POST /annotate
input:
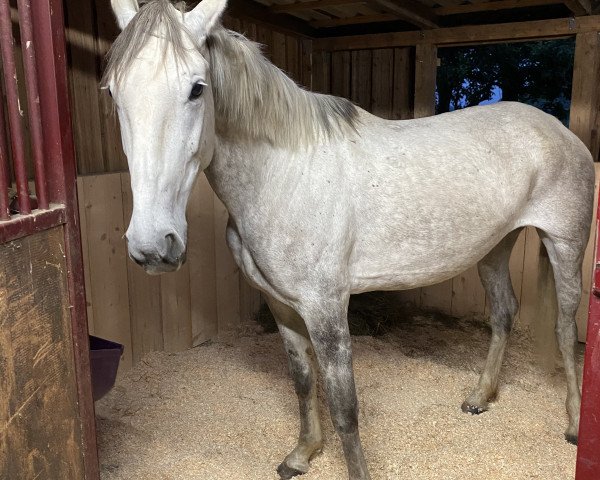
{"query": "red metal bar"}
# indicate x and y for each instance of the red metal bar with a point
(4, 180)
(33, 104)
(49, 36)
(22, 225)
(588, 450)
(14, 114)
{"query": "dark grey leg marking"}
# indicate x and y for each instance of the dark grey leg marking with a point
(302, 369)
(495, 277)
(328, 328)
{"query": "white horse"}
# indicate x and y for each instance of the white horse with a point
(326, 200)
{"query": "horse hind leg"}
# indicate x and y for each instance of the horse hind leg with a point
(566, 259)
(495, 277)
(304, 373)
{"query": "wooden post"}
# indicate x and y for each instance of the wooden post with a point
(425, 76)
(584, 97)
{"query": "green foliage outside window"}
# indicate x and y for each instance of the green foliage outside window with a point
(536, 73)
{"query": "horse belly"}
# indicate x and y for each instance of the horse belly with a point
(412, 233)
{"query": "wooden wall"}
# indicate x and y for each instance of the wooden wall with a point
(380, 80)
(206, 299)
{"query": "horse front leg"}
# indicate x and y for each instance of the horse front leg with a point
(328, 329)
(302, 369)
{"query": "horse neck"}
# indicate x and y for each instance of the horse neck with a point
(242, 170)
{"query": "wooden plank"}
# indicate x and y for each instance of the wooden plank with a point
(108, 268)
(382, 82)
(402, 94)
(112, 151)
(232, 23)
(262, 15)
(306, 63)
(264, 36)
(587, 269)
(361, 78)
(410, 11)
(85, 254)
(584, 116)
(341, 74)
(227, 278)
(249, 301)
(310, 5)
(492, 6)
(355, 20)
(292, 58)
(529, 290)
(278, 50)
(145, 314)
(516, 265)
(425, 80)
(412, 296)
(322, 72)
(83, 83)
(468, 295)
(40, 434)
(579, 7)
(176, 309)
(249, 29)
(437, 297)
(202, 263)
(471, 34)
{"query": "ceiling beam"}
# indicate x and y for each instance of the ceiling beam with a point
(410, 11)
(300, 6)
(263, 15)
(357, 19)
(467, 35)
(579, 7)
(492, 6)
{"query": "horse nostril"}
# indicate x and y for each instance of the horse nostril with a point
(170, 237)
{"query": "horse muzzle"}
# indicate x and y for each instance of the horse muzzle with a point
(165, 256)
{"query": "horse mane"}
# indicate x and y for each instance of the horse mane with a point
(253, 98)
(256, 99)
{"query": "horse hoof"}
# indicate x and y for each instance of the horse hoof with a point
(572, 439)
(472, 409)
(285, 472)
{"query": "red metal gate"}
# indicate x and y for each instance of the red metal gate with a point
(588, 451)
(51, 159)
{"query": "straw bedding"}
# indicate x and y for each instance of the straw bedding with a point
(228, 410)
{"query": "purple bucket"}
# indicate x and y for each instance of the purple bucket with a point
(104, 362)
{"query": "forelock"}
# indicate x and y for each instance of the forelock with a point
(155, 19)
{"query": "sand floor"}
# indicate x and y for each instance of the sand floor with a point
(228, 411)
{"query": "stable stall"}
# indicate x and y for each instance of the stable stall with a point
(381, 54)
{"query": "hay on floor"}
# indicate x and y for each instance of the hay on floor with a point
(228, 411)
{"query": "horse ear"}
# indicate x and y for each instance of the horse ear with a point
(205, 16)
(124, 10)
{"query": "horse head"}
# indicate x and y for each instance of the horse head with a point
(158, 75)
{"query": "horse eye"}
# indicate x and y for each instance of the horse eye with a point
(197, 90)
(110, 93)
